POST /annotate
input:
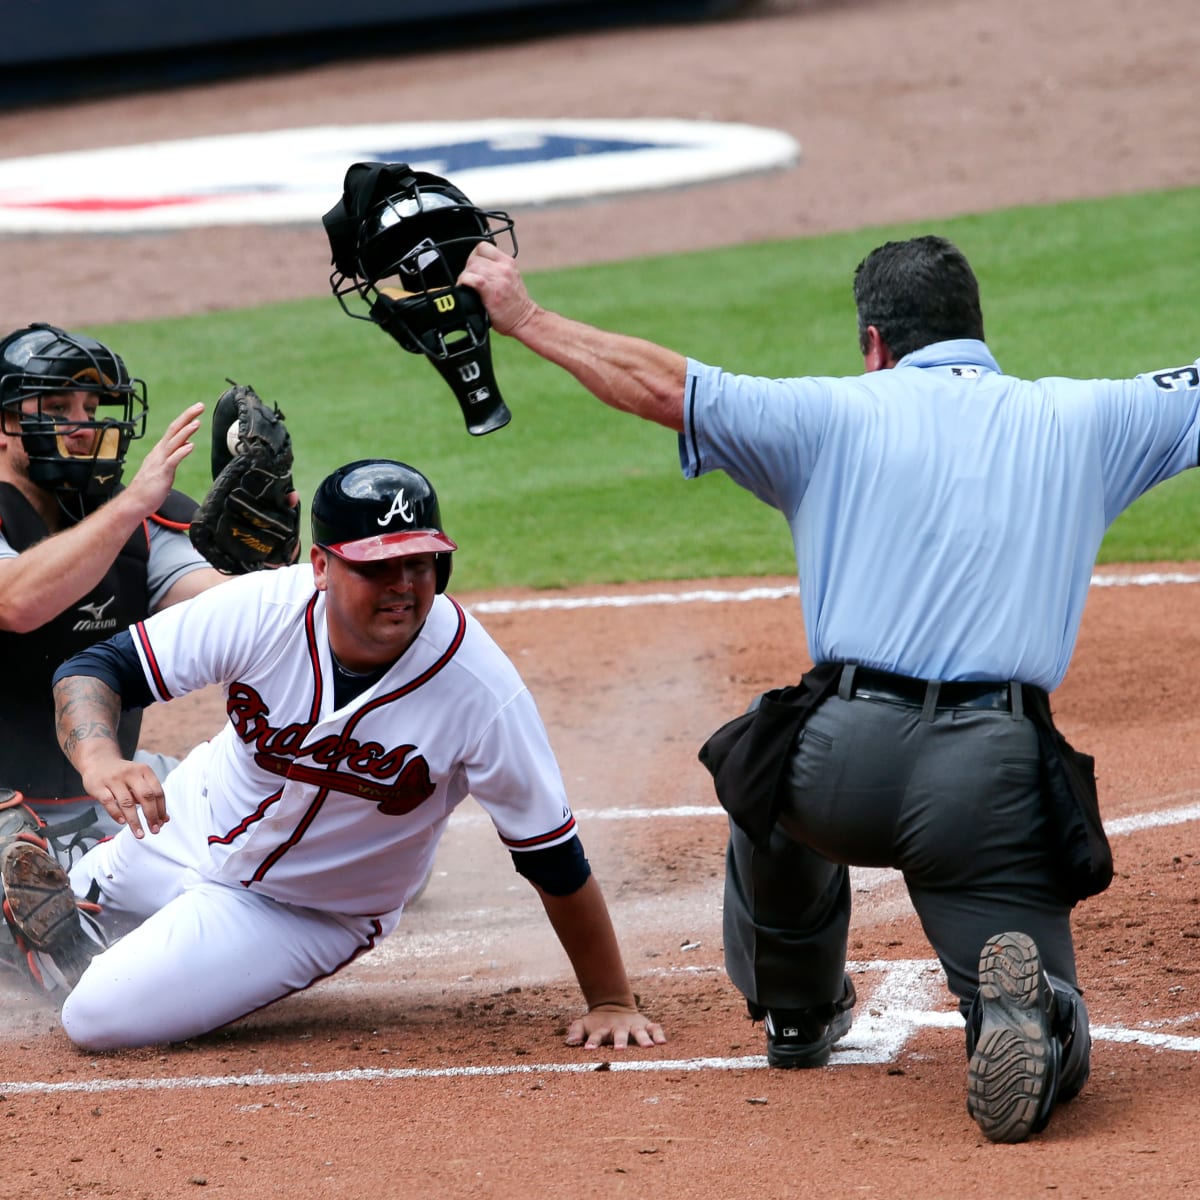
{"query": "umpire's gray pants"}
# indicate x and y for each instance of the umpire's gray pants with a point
(951, 798)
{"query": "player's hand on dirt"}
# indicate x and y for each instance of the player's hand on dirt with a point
(156, 476)
(493, 274)
(124, 787)
(615, 1025)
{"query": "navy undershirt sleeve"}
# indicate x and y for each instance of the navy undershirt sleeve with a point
(114, 662)
(559, 870)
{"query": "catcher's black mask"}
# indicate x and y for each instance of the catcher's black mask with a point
(41, 362)
(399, 240)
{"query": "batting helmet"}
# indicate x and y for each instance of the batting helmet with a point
(42, 360)
(377, 509)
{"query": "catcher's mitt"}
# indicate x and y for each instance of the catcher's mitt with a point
(47, 936)
(245, 522)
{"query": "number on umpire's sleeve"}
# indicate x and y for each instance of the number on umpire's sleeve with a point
(1178, 378)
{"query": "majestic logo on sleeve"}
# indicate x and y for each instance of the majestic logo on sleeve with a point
(396, 779)
(399, 506)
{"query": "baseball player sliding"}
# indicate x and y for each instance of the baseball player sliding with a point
(364, 704)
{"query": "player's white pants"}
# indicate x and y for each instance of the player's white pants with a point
(197, 953)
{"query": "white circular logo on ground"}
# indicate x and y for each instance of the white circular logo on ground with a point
(293, 176)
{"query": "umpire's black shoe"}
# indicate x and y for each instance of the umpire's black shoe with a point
(804, 1037)
(1013, 1074)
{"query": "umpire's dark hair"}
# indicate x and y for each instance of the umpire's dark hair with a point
(915, 293)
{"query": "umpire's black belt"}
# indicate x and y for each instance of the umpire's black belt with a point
(865, 683)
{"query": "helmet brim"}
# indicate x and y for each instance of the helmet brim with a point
(400, 544)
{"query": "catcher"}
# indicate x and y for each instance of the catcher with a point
(82, 555)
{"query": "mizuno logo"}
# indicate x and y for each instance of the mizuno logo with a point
(95, 619)
(96, 611)
(399, 506)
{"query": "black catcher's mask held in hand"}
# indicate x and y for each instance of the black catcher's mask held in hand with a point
(41, 366)
(399, 239)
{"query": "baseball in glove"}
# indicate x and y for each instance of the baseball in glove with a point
(45, 934)
(246, 522)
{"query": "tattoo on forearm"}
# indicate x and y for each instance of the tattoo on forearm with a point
(71, 738)
(85, 709)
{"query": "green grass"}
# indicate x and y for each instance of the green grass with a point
(573, 492)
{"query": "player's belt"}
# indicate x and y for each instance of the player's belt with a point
(868, 684)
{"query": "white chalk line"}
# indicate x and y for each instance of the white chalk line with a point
(884, 1022)
(1152, 820)
(1118, 827)
(1150, 579)
(743, 595)
(706, 596)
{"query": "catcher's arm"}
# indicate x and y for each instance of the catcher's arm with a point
(250, 518)
(46, 579)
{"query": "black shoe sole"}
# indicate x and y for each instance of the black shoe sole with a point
(1013, 1065)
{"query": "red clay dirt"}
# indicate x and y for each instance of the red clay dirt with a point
(908, 109)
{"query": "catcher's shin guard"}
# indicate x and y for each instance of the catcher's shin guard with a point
(50, 936)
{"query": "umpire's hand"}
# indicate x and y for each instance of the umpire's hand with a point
(493, 274)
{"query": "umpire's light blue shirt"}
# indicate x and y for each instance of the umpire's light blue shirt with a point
(946, 517)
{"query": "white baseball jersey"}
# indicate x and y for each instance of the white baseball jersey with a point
(341, 809)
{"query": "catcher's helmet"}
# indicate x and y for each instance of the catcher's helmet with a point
(376, 509)
(42, 361)
(400, 238)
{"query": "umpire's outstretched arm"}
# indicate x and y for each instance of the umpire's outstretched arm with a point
(627, 373)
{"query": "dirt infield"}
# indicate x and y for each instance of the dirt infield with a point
(435, 1066)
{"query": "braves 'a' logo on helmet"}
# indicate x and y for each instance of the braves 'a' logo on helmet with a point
(400, 507)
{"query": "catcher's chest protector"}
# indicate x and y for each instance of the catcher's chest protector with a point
(30, 758)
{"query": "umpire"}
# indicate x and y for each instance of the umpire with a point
(945, 519)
